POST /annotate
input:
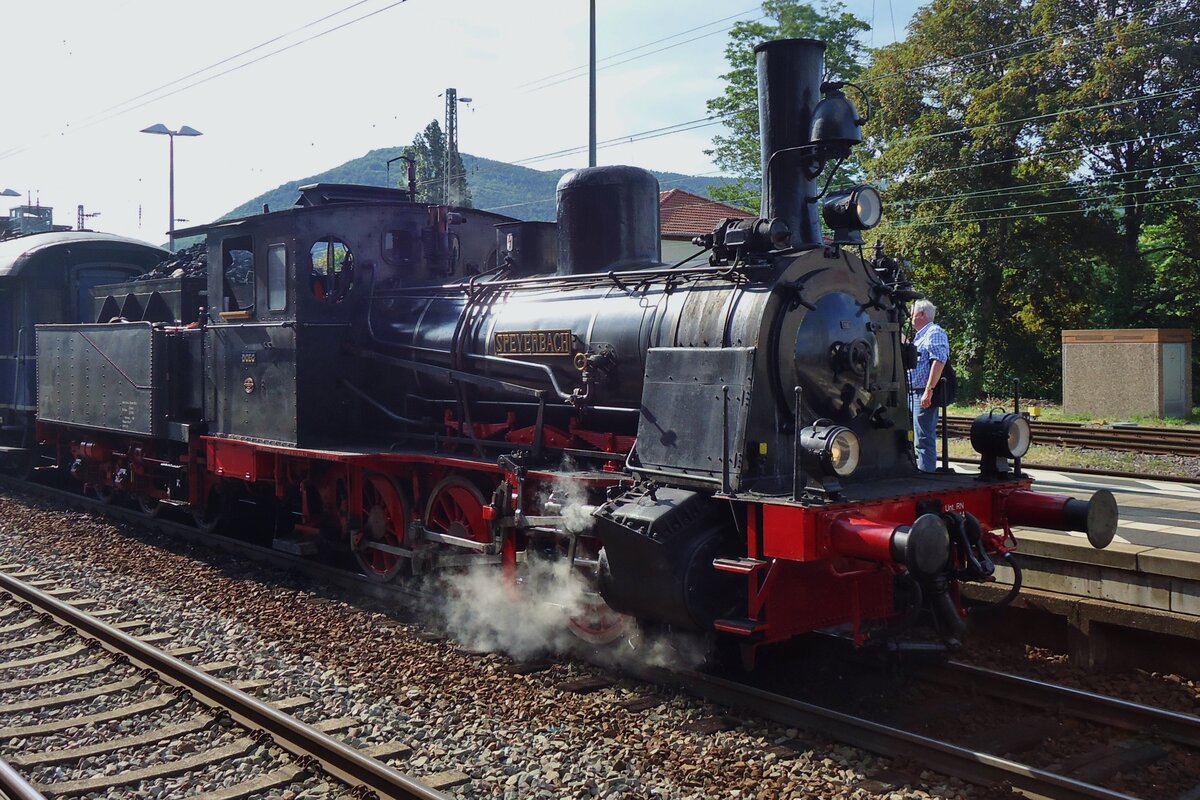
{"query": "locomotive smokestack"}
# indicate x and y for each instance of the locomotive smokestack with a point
(789, 88)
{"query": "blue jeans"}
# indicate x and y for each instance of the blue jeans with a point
(925, 431)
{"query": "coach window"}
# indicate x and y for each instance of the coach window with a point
(332, 269)
(237, 260)
(7, 321)
(277, 277)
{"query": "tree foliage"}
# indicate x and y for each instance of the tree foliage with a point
(429, 148)
(954, 161)
(1016, 153)
(1118, 84)
(737, 153)
(1038, 162)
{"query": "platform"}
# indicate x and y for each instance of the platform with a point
(1146, 582)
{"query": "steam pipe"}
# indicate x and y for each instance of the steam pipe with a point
(1097, 516)
(789, 88)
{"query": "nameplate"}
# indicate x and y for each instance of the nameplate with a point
(514, 344)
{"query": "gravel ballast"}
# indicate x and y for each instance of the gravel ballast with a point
(513, 735)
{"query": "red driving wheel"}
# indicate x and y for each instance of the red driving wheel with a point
(456, 508)
(385, 515)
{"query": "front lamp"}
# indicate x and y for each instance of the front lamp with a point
(1001, 435)
(831, 449)
(851, 211)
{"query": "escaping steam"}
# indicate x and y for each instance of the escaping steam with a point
(531, 616)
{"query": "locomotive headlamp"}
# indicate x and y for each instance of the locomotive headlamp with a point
(831, 449)
(852, 210)
(1001, 435)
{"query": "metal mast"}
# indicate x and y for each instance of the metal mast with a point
(451, 141)
(592, 88)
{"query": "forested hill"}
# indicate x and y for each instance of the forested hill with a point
(506, 189)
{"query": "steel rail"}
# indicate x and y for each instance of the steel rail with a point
(15, 787)
(1150, 440)
(1112, 711)
(979, 768)
(303, 741)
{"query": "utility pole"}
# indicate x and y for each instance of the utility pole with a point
(592, 91)
(84, 217)
(451, 141)
(452, 101)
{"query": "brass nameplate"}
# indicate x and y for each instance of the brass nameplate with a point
(512, 344)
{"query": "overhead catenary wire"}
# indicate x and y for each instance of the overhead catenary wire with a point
(1003, 217)
(1063, 184)
(582, 69)
(95, 120)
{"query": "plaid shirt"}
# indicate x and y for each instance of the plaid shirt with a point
(932, 345)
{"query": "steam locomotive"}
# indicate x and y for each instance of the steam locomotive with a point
(723, 447)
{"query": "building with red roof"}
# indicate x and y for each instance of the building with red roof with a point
(684, 215)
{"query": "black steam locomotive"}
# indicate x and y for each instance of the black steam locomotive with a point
(722, 446)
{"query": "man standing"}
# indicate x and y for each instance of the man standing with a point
(933, 351)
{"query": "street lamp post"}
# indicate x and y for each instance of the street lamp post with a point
(184, 130)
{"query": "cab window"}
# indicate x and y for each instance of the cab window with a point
(332, 275)
(237, 264)
(400, 247)
(277, 277)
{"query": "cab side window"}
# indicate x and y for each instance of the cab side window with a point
(237, 264)
(332, 275)
(277, 277)
(400, 247)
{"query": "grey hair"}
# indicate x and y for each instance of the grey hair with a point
(929, 308)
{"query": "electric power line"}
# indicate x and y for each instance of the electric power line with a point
(1064, 184)
(95, 121)
(963, 219)
(584, 67)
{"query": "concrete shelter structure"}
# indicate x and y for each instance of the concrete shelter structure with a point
(1126, 373)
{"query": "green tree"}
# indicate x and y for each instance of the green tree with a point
(737, 153)
(956, 153)
(429, 148)
(1118, 86)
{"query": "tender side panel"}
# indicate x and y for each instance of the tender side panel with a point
(101, 376)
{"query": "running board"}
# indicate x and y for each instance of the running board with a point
(740, 566)
(745, 628)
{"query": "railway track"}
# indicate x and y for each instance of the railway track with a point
(969, 760)
(59, 664)
(1119, 741)
(1136, 439)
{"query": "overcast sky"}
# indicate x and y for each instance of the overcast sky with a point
(334, 79)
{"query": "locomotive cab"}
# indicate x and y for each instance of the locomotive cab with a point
(288, 292)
